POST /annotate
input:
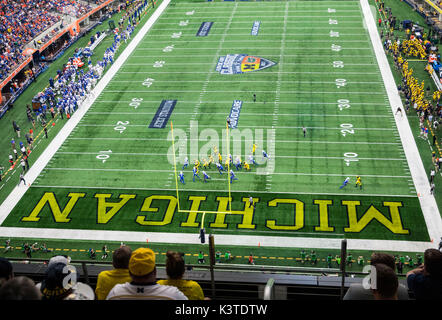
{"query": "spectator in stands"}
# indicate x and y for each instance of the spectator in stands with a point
(19, 288)
(175, 271)
(356, 291)
(6, 270)
(60, 282)
(120, 274)
(143, 286)
(426, 281)
(386, 283)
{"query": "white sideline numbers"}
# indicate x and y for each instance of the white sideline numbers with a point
(349, 157)
(341, 83)
(338, 64)
(104, 155)
(148, 82)
(136, 102)
(121, 126)
(159, 64)
(168, 48)
(347, 129)
(336, 47)
(343, 104)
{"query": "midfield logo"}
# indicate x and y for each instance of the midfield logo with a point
(242, 63)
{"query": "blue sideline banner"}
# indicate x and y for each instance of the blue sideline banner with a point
(204, 29)
(164, 111)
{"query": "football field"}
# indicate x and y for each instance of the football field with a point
(273, 68)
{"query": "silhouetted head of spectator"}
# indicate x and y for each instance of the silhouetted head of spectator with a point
(174, 265)
(6, 271)
(60, 282)
(384, 258)
(386, 283)
(433, 263)
(142, 266)
(121, 257)
(19, 288)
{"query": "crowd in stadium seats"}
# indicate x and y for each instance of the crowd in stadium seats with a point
(134, 276)
(71, 7)
(21, 21)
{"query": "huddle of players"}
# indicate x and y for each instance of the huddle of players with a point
(238, 164)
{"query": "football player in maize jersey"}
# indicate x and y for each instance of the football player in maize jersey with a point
(211, 160)
(227, 163)
(253, 148)
(205, 163)
(246, 166)
(358, 182)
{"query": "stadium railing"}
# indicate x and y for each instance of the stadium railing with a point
(239, 282)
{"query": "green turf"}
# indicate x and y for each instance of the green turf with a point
(300, 90)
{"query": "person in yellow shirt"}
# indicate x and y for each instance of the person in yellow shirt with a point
(120, 274)
(175, 267)
(220, 158)
(246, 166)
(205, 163)
(253, 148)
(358, 182)
(211, 160)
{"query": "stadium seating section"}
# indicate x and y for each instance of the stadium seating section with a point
(21, 21)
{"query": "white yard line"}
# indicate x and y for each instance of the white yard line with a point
(252, 81)
(14, 197)
(427, 201)
(136, 114)
(196, 155)
(239, 172)
(245, 140)
(257, 102)
(241, 91)
(220, 126)
(240, 191)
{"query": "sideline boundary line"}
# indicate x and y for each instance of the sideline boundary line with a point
(427, 201)
(18, 192)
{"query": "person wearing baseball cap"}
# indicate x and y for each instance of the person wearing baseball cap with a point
(144, 284)
(60, 282)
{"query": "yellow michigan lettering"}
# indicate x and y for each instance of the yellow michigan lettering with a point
(323, 215)
(147, 208)
(247, 214)
(59, 216)
(103, 214)
(191, 218)
(355, 225)
(298, 212)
